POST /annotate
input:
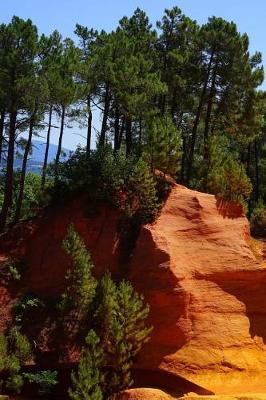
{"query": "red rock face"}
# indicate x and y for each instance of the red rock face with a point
(206, 290)
(207, 294)
(40, 244)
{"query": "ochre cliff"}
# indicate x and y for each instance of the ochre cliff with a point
(194, 265)
(207, 294)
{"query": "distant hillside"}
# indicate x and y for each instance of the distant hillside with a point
(35, 161)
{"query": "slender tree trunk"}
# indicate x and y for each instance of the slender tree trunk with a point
(163, 104)
(24, 170)
(128, 136)
(248, 173)
(173, 109)
(89, 129)
(257, 178)
(220, 109)
(122, 128)
(117, 129)
(162, 97)
(183, 160)
(180, 120)
(59, 148)
(2, 126)
(197, 119)
(45, 162)
(206, 155)
(105, 115)
(8, 193)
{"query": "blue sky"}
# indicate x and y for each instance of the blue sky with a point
(250, 16)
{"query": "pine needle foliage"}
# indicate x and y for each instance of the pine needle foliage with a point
(116, 316)
(81, 284)
(87, 382)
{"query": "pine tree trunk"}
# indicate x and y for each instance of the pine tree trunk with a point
(117, 130)
(2, 126)
(219, 109)
(173, 109)
(248, 173)
(89, 129)
(206, 152)
(122, 128)
(24, 170)
(128, 136)
(197, 120)
(8, 193)
(59, 148)
(163, 104)
(45, 162)
(105, 115)
(257, 179)
(183, 161)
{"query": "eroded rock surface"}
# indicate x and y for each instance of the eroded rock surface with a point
(143, 394)
(207, 294)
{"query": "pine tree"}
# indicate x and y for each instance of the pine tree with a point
(141, 199)
(117, 326)
(176, 56)
(130, 333)
(228, 74)
(87, 382)
(66, 87)
(81, 284)
(51, 48)
(35, 107)
(106, 311)
(136, 81)
(15, 350)
(87, 39)
(227, 177)
(162, 148)
(119, 321)
(18, 55)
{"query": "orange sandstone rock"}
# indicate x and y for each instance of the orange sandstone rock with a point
(207, 294)
(142, 394)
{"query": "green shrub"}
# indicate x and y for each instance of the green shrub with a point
(229, 180)
(15, 350)
(10, 270)
(19, 345)
(14, 383)
(45, 380)
(125, 182)
(14, 273)
(258, 219)
(35, 196)
(141, 197)
(3, 351)
(25, 305)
